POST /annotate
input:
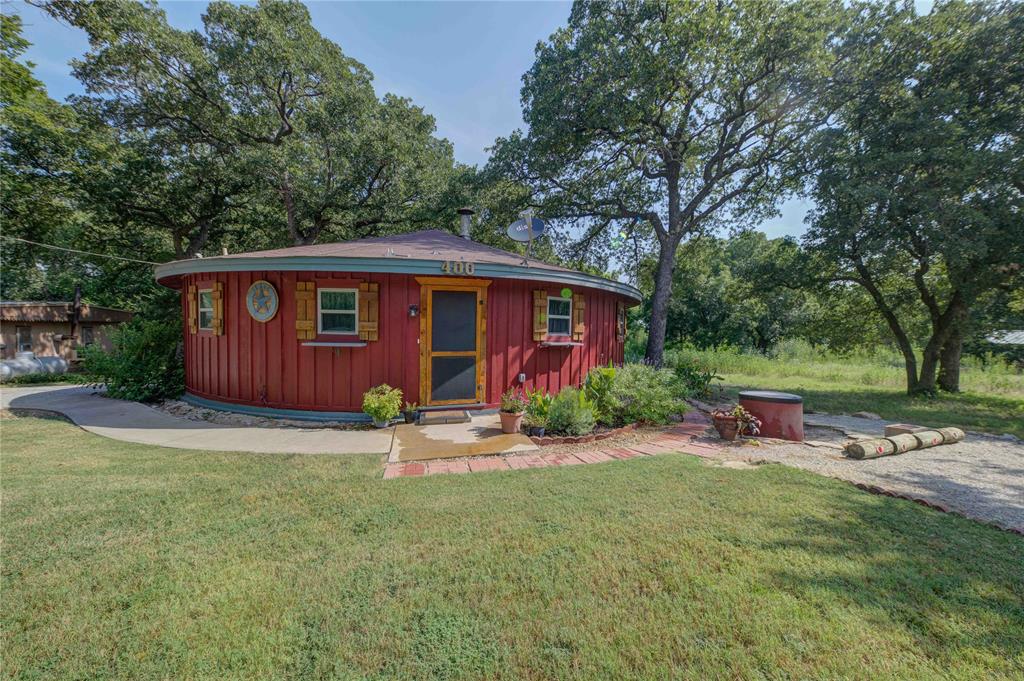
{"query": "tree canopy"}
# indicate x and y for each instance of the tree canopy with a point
(668, 120)
(921, 176)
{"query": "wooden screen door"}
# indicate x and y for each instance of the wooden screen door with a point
(453, 332)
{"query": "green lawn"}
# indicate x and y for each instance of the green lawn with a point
(133, 562)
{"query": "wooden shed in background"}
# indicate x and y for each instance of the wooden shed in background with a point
(53, 329)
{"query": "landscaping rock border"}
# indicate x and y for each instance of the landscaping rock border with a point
(581, 439)
(941, 508)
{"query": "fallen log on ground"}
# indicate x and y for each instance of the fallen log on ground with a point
(903, 443)
(951, 435)
(929, 438)
(870, 449)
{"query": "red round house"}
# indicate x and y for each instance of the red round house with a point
(305, 331)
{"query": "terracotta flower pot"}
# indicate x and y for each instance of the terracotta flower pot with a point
(727, 427)
(511, 423)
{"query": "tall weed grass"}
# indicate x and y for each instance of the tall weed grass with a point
(879, 368)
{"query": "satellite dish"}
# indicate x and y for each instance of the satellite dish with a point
(526, 230)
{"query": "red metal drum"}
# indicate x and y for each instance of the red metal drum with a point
(781, 414)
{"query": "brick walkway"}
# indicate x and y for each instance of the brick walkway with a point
(677, 439)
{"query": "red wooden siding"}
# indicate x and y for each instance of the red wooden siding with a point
(265, 365)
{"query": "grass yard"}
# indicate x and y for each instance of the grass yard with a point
(132, 562)
(992, 399)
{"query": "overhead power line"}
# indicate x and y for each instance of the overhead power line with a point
(73, 250)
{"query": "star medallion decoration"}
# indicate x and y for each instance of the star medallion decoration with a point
(262, 301)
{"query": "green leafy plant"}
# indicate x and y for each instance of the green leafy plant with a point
(535, 421)
(597, 386)
(411, 406)
(644, 394)
(571, 413)
(382, 402)
(696, 377)
(144, 363)
(538, 402)
(513, 401)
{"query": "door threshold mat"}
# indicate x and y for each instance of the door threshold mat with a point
(428, 418)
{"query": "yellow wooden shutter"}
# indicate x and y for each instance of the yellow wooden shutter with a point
(578, 310)
(368, 311)
(305, 310)
(540, 315)
(620, 321)
(192, 305)
(217, 294)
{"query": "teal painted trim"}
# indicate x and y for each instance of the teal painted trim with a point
(297, 414)
(426, 268)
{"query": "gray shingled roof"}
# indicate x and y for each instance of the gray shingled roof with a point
(430, 244)
(420, 253)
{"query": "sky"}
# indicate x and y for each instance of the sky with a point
(461, 61)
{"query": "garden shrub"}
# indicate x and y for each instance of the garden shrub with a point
(597, 386)
(644, 394)
(571, 413)
(42, 378)
(696, 376)
(144, 364)
(382, 402)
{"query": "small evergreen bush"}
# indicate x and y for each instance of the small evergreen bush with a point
(571, 413)
(644, 394)
(144, 364)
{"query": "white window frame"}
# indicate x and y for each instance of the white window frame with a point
(567, 317)
(20, 340)
(200, 309)
(320, 311)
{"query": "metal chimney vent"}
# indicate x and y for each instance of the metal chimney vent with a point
(465, 220)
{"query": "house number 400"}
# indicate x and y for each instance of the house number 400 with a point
(456, 267)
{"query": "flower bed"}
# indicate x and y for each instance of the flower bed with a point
(572, 440)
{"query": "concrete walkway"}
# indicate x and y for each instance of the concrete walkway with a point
(135, 422)
(480, 437)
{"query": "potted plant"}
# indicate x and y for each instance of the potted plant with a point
(535, 425)
(410, 412)
(734, 422)
(513, 407)
(537, 404)
(382, 403)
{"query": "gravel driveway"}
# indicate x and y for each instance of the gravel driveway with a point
(981, 477)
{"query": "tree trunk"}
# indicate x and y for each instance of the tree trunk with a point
(285, 189)
(949, 357)
(944, 327)
(902, 340)
(929, 367)
(949, 363)
(668, 241)
(659, 304)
